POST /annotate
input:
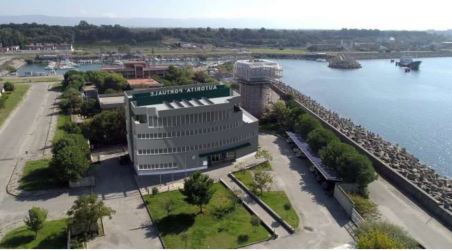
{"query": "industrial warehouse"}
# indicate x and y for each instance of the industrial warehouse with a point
(182, 129)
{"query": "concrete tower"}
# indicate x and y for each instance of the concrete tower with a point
(255, 78)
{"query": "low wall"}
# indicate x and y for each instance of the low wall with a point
(269, 228)
(286, 225)
(347, 204)
(343, 199)
(427, 202)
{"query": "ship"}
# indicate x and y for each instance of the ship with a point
(409, 63)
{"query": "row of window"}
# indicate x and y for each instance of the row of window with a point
(157, 166)
(188, 119)
(190, 132)
(197, 147)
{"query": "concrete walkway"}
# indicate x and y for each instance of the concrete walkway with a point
(130, 226)
(261, 213)
(396, 208)
(323, 219)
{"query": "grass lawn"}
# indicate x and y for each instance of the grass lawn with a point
(60, 132)
(184, 227)
(51, 236)
(274, 199)
(36, 79)
(13, 100)
(246, 177)
(278, 200)
(36, 176)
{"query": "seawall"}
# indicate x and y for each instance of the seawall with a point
(427, 202)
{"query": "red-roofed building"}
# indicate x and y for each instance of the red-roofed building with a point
(143, 83)
(137, 69)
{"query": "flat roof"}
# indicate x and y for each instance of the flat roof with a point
(111, 100)
(206, 94)
(328, 173)
(147, 82)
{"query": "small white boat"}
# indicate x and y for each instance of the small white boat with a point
(51, 65)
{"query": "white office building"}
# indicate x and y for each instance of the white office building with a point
(187, 128)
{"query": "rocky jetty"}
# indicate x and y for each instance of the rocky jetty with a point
(343, 62)
(437, 186)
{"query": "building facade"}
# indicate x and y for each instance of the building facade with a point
(255, 78)
(137, 69)
(187, 128)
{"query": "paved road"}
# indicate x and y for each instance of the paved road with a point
(130, 226)
(27, 130)
(398, 209)
(324, 222)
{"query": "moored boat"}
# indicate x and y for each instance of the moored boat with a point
(409, 63)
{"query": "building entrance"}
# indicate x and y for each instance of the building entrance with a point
(222, 157)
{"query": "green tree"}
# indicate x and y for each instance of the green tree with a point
(8, 86)
(106, 128)
(331, 153)
(69, 164)
(319, 138)
(198, 190)
(85, 213)
(76, 140)
(262, 153)
(383, 235)
(305, 124)
(355, 167)
(262, 181)
(89, 107)
(36, 219)
(71, 100)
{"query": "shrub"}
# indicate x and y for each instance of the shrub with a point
(305, 124)
(287, 206)
(364, 206)
(319, 138)
(382, 235)
(9, 87)
(243, 238)
(155, 191)
(72, 128)
(36, 219)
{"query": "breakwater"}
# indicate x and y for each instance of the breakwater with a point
(404, 170)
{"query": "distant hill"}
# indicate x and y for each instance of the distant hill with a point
(144, 22)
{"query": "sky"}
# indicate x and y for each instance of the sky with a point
(291, 14)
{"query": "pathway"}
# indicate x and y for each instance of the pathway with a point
(258, 209)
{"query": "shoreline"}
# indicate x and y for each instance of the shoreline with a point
(358, 55)
(424, 177)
